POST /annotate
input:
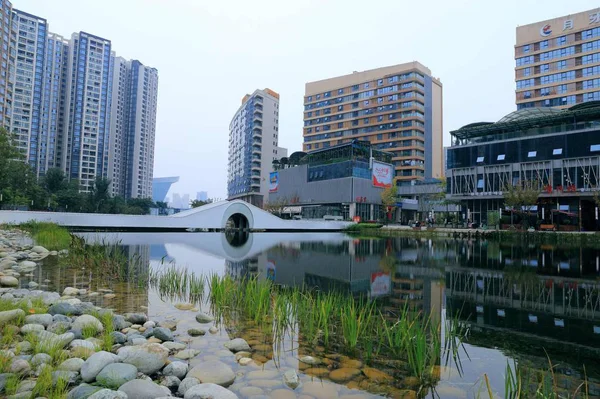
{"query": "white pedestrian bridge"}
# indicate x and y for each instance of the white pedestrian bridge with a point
(216, 216)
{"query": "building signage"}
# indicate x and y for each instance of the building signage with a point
(381, 283)
(382, 174)
(273, 182)
(546, 30)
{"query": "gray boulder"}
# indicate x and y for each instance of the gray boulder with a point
(148, 358)
(43, 319)
(237, 345)
(136, 318)
(177, 369)
(8, 281)
(64, 308)
(143, 389)
(61, 318)
(73, 364)
(204, 318)
(118, 337)
(119, 322)
(209, 391)
(95, 363)
(186, 384)
(164, 334)
(82, 391)
(19, 366)
(40, 358)
(291, 379)
(171, 382)
(116, 374)
(31, 328)
(213, 371)
(10, 315)
(89, 322)
(108, 394)
(59, 327)
(70, 377)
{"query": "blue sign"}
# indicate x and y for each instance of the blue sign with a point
(399, 204)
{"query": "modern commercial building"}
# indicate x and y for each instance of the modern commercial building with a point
(558, 61)
(133, 128)
(335, 182)
(253, 145)
(161, 187)
(30, 36)
(558, 151)
(396, 108)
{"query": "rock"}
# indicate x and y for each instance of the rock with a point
(153, 340)
(82, 391)
(24, 347)
(119, 322)
(32, 284)
(70, 291)
(148, 332)
(310, 360)
(116, 374)
(317, 371)
(213, 371)
(48, 341)
(64, 308)
(171, 382)
(195, 332)
(50, 298)
(184, 306)
(95, 363)
(108, 394)
(209, 391)
(251, 391)
(89, 322)
(148, 358)
(291, 379)
(3, 378)
(282, 394)
(319, 390)
(186, 384)
(213, 330)
(139, 341)
(204, 318)
(187, 354)
(60, 318)
(343, 374)
(149, 324)
(25, 266)
(242, 354)
(10, 315)
(43, 319)
(22, 395)
(174, 346)
(41, 358)
(377, 375)
(164, 334)
(262, 374)
(26, 386)
(19, 366)
(142, 389)
(8, 281)
(237, 345)
(70, 377)
(177, 369)
(30, 328)
(118, 338)
(59, 327)
(73, 364)
(136, 318)
(82, 343)
(244, 361)
(170, 324)
(38, 249)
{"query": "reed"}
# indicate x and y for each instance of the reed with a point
(49, 235)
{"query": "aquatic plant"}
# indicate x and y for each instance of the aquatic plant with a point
(49, 235)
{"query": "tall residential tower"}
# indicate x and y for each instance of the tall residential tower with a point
(397, 108)
(253, 145)
(558, 61)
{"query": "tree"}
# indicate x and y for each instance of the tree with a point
(100, 193)
(197, 203)
(276, 207)
(521, 196)
(389, 197)
(55, 180)
(139, 206)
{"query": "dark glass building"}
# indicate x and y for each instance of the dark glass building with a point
(557, 151)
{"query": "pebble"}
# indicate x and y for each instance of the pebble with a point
(204, 318)
(187, 354)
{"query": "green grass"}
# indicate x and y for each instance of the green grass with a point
(107, 321)
(49, 235)
(45, 387)
(12, 383)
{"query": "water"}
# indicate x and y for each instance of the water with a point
(523, 303)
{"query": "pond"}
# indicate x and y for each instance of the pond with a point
(528, 310)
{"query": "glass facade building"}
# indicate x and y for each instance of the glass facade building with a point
(398, 109)
(557, 151)
(557, 61)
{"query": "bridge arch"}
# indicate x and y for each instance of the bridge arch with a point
(237, 215)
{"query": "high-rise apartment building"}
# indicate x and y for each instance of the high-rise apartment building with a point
(253, 145)
(89, 86)
(558, 61)
(30, 36)
(7, 61)
(397, 108)
(133, 128)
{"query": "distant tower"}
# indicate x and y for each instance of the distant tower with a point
(202, 196)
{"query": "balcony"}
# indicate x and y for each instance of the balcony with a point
(256, 149)
(257, 131)
(258, 116)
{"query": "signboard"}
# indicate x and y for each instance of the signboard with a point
(270, 270)
(273, 182)
(382, 174)
(381, 283)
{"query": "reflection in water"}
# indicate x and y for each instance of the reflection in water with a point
(518, 300)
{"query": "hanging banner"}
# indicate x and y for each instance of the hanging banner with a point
(273, 182)
(382, 174)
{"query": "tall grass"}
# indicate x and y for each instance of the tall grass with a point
(49, 235)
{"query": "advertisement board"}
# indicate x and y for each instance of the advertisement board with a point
(381, 283)
(382, 174)
(273, 182)
(270, 270)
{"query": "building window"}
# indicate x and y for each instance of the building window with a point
(341, 91)
(595, 147)
(531, 154)
(380, 82)
(480, 183)
(366, 85)
(500, 157)
(544, 44)
(480, 159)
(526, 48)
(557, 151)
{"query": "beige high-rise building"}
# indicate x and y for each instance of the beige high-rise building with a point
(397, 108)
(558, 61)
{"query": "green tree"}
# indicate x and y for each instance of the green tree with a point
(100, 193)
(198, 203)
(521, 196)
(55, 180)
(389, 197)
(139, 206)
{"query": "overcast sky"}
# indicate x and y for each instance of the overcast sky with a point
(210, 53)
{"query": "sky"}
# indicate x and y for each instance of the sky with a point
(209, 54)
